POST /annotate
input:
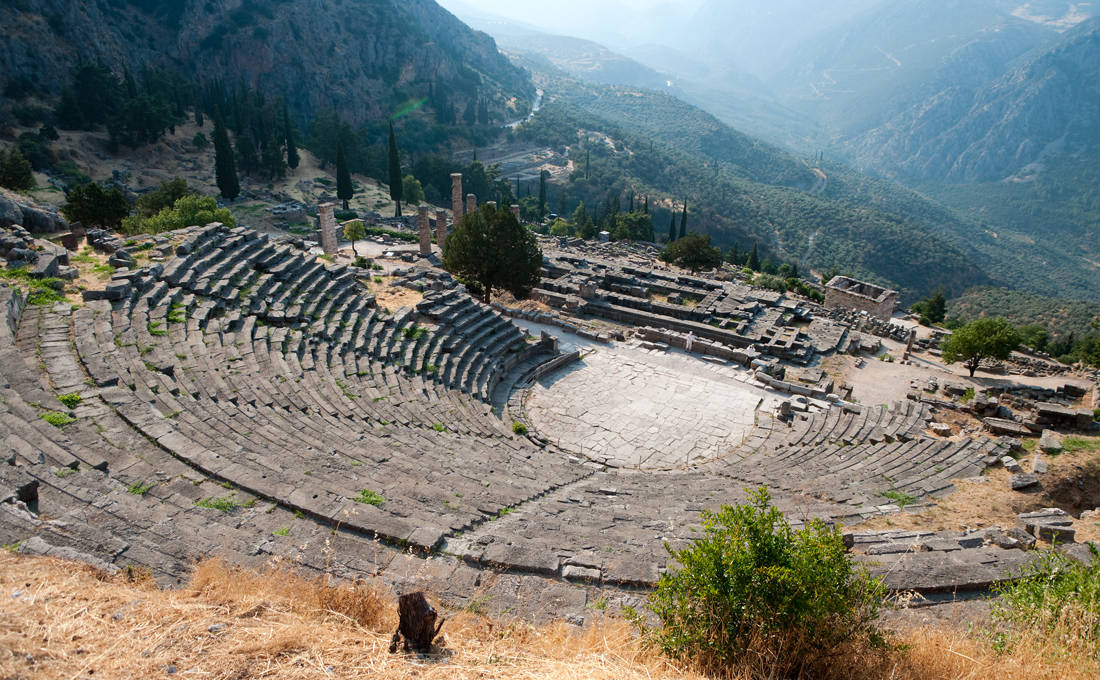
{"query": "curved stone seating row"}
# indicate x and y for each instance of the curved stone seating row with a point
(854, 424)
(866, 474)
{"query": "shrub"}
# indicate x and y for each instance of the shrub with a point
(754, 588)
(224, 504)
(1056, 594)
(361, 262)
(519, 428)
(967, 396)
(1096, 414)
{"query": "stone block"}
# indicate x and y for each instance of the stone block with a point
(577, 573)
(1011, 464)
(1022, 481)
(1050, 442)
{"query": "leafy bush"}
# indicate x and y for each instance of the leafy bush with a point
(1057, 594)
(519, 428)
(188, 211)
(753, 586)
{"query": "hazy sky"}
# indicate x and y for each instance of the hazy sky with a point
(585, 18)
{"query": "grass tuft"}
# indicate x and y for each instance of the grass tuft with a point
(57, 418)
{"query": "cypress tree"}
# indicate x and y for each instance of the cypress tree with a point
(684, 221)
(291, 148)
(632, 201)
(587, 161)
(225, 166)
(672, 229)
(396, 189)
(542, 194)
(754, 258)
(344, 189)
(249, 156)
(646, 208)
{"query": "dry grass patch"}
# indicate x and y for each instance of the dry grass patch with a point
(65, 620)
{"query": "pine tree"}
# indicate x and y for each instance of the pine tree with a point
(396, 179)
(225, 166)
(344, 189)
(15, 171)
(684, 221)
(292, 158)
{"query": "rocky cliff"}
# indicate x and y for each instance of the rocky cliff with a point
(361, 57)
(1051, 103)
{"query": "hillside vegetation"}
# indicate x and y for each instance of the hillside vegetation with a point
(742, 191)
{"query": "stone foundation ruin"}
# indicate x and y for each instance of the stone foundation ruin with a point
(858, 296)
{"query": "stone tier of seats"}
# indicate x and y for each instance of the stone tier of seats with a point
(245, 373)
(855, 424)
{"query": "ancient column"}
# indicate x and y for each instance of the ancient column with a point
(328, 228)
(471, 204)
(440, 228)
(456, 195)
(425, 231)
(515, 211)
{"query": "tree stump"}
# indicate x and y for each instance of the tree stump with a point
(417, 624)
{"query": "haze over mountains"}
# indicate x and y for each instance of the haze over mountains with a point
(912, 142)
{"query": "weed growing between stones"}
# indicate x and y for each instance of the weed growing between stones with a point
(900, 498)
(140, 488)
(368, 497)
(224, 504)
(71, 400)
(519, 428)
(57, 418)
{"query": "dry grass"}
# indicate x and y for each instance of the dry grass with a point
(62, 620)
(1073, 483)
(390, 297)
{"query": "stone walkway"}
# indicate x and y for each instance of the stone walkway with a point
(633, 408)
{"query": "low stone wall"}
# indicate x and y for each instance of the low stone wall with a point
(554, 364)
(789, 387)
(699, 346)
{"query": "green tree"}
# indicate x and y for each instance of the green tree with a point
(292, 158)
(693, 252)
(1034, 336)
(355, 231)
(684, 221)
(543, 174)
(396, 184)
(490, 250)
(200, 141)
(225, 165)
(345, 190)
(95, 206)
(991, 338)
(188, 211)
(672, 229)
(15, 171)
(164, 196)
(753, 587)
(412, 190)
(754, 259)
(633, 226)
(932, 309)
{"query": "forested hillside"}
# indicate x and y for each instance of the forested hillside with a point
(363, 58)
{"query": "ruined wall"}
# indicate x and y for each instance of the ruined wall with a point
(858, 296)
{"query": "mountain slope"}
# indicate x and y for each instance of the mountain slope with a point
(743, 191)
(361, 57)
(990, 132)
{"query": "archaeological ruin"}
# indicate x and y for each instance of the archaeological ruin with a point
(227, 392)
(858, 296)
